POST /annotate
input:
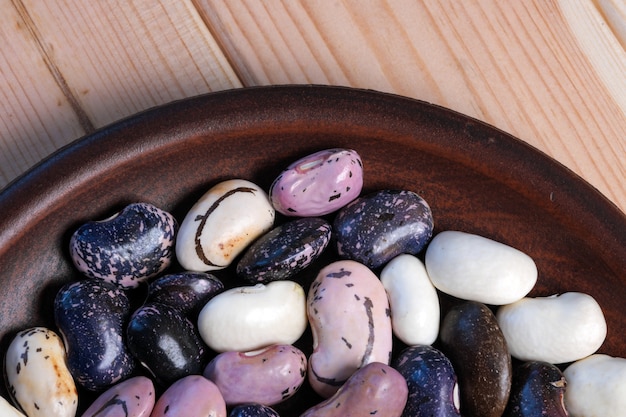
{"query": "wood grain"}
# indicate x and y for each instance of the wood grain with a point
(84, 65)
(548, 72)
(36, 116)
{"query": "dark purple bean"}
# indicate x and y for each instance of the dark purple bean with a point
(165, 343)
(431, 381)
(91, 316)
(187, 291)
(537, 390)
(379, 226)
(285, 250)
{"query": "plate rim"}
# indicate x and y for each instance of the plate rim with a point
(24, 194)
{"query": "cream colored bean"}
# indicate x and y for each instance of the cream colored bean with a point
(413, 299)
(243, 319)
(221, 224)
(476, 268)
(596, 386)
(555, 329)
(7, 410)
(37, 375)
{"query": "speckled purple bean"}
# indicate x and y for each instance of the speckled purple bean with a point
(165, 342)
(91, 316)
(268, 376)
(187, 291)
(191, 396)
(377, 227)
(349, 315)
(376, 389)
(432, 382)
(253, 410)
(538, 389)
(285, 251)
(318, 184)
(128, 248)
(133, 397)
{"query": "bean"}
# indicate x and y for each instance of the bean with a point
(268, 376)
(472, 339)
(318, 184)
(192, 395)
(348, 312)
(221, 224)
(37, 376)
(413, 300)
(537, 390)
(247, 318)
(472, 267)
(134, 397)
(555, 329)
(7, 410)
(375, 389)
(596, 386)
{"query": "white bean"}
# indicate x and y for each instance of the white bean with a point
(413, 300)
(7, 410)
(243, 319)
(596, 386)
(480, 269)
(555, 329)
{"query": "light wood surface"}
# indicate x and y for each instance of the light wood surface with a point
(551, 72)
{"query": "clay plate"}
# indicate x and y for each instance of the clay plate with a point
(476, 179)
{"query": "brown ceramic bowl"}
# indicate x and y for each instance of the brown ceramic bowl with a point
(475, 178)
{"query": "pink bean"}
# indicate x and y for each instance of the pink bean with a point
(350, 319)
(191, 396)
(267, 377)
(132, 398)
(374, 390)
(318, 184)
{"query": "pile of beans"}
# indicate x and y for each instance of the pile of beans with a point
(335, 310)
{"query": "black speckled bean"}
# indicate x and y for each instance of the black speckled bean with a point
(128, 248)
(165, 343)
(188, 291)
(379, 226)
(253, 410)
(285, 250)
(431, 380)
(537, 390)
(90, 316)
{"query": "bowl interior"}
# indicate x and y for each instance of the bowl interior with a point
(475, 178)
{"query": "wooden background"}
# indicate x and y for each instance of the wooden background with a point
(551, 72)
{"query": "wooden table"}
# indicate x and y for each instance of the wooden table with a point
(551, 72)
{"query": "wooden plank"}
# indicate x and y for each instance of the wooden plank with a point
(126, 56)
(614, 13)
(83, 65)
(517, 65)
(35, 116)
